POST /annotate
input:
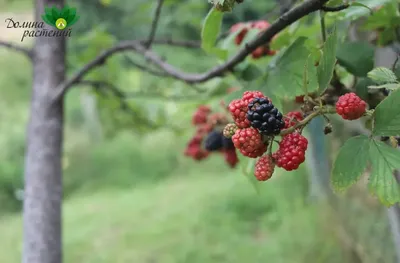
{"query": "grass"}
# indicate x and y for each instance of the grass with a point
(193, 218)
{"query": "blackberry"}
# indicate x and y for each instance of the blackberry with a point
(227, 143)
(265, 117)
(213, 141)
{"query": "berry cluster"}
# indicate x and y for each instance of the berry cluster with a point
(209, 138)
(256, 122)
(244, 28)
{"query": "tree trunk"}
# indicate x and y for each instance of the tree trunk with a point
(43, 172)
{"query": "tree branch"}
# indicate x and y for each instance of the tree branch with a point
(144, 68)
(27, 52)
(281, 23)
(154, 23)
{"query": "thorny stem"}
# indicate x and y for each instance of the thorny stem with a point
(317, 112)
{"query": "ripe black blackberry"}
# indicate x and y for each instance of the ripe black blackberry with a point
(265, 117)
(214, 141)
(227, 143)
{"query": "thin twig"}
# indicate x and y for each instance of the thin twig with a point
(27, 52)
(307, 120)
(154, 23)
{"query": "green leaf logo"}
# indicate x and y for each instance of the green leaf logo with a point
(60, 18)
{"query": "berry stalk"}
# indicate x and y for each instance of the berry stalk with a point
(317, 112)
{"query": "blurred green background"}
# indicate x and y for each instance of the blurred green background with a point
(131, 195)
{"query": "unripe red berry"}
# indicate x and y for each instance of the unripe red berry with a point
(201, 115)
(238, 110)
(244, 28)
(299, 99)
(260, 24)
(291, 152)
(231, 157)
(249, 142)
(264, 168)
(258, 52)
(249, 95)
(350, 106)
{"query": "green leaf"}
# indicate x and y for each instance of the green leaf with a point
(389, 86)
(220, 53)
(384, 160)
(250, 73)
(247, 165)
(211, 29)
(387, 116)
(332, 3)
(385, 17)
(286, 71)
(250, 35)
(232, 96)
(362, 5)
(361, 87)
(359, 10)
(327, 62)
(219, 87)
(356, 57)
(382, 75)
(350, 162)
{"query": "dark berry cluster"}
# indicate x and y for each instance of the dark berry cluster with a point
(265, 117)
(209, 138)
